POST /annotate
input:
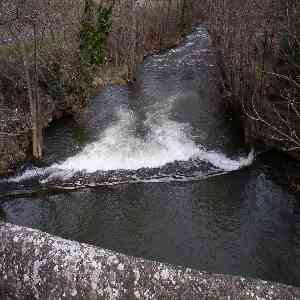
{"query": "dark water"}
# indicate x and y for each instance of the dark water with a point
(172, 180)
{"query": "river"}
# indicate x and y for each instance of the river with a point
(161, 172)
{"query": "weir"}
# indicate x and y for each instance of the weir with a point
(153, 129)
(156, 169)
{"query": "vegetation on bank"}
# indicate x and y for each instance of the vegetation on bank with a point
(54, 53)
(259, 43)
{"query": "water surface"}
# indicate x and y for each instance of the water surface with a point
(170, 178)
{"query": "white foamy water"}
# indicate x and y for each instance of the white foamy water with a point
(164, 141)
(221, 161)
(119, 148)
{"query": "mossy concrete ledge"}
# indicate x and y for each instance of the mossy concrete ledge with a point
(36, 265)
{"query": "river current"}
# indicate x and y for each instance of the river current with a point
(158, 169)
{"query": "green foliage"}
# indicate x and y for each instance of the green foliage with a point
(95, 28)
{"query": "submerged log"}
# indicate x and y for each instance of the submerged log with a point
(36, 265)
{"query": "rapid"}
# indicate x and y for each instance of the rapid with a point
(158, 169)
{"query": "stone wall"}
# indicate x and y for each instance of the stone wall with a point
(36, 265)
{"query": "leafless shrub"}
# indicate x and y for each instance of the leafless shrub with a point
(259, 42)
(40, 48)
(144, 27)
(36, 36)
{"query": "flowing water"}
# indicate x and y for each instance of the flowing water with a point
(159, 171)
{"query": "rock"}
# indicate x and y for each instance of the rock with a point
(15, 133)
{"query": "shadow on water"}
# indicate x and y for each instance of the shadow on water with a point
(2, 215)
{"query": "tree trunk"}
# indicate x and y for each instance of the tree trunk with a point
(36, 265)
(37, 139)
(32, 103)
(32, 90)
(132, 63)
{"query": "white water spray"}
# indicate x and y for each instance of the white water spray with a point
(222, 162)
(119, 148)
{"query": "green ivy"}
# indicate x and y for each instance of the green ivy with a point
(95, 28)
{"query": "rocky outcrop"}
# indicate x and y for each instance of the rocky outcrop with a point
(15, 133)
(36, 265)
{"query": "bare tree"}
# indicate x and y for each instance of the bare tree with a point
(259, 43)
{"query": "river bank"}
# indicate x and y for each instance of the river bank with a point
(156, 169)
(259, 49)
(61, 73)
(15, 120)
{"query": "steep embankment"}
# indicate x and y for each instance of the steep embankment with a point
(259, 45)
(15, 132)
(39, 71)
